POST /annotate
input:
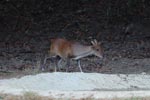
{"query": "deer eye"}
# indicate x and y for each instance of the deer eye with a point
(97, 49)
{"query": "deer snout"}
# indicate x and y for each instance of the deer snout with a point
(101, 56)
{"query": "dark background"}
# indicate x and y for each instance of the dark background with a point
(123, 27)
(74, 17)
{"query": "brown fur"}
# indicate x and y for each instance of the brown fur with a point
(61, 47)
(67, 50)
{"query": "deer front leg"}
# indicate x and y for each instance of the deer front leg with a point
(79, 65)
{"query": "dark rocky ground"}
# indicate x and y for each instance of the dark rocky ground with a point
(26, 28)
(129, 57)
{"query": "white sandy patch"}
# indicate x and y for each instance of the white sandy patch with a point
(79, 85)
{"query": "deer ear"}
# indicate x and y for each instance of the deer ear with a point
(92, 42)
(95, 41)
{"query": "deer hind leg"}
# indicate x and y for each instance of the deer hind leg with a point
(67, 65)
(58, 64)
(53, 59)
(56, 60)
(43, 64)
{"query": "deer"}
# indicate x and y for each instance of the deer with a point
(67, 50)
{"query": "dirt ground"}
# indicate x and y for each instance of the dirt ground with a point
(121, 26)
(130, 57)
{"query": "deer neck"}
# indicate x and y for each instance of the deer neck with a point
(84, 53)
